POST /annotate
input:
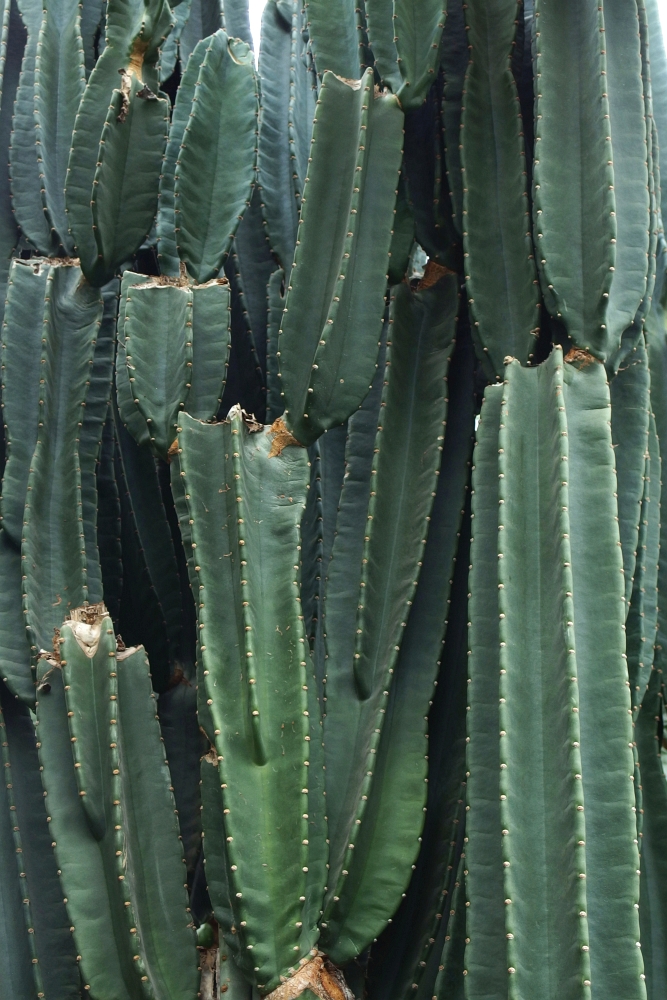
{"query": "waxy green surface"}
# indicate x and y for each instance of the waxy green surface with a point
(503, 300)
(214, 177)
(54, 564)
(250, 505)
(337, 284)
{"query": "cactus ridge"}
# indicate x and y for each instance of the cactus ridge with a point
(53, 547)
(274, 403)
(236, 20)
(390, 833)
(213, 178)
(598, 634)
(452, 959)
(245, 336)
(576, 274)
(486, 961)
(92, 24)
(12, 48)
(409, 949)
(381, 31)
(503, 301)
(166, 235)
(652, 913)
(358, 685)
(21, 357)
(658, 77)
(348, 231)
(58, 88)
(170, 50)
(26, 168)
(234, 647)
(211, 320)
(17, 933)
(90, 442)
(119, 874)
(569, 426)
(155, 572)
(629, 391)
(642, 614)
(86, 687)
(124, 196)
(158, 354)
(454, 65)
(53, 955)
(629, 137)
(130, 414)
(277, 169)
(334, 37)
(109, 528)
(15, 652)
(255, 263)
(134, 32)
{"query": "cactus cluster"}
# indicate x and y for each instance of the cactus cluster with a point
(333, 576)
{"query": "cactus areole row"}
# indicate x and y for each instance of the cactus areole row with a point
(333, 573)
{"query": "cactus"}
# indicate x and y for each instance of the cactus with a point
(336, 304)
(332, 555)
(213, 177)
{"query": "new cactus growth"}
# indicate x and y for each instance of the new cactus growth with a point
(333, 567)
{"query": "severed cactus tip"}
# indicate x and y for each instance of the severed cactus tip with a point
(86, 626)
(281, 438)
(320, 976)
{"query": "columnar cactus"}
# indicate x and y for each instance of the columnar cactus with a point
(333, 573)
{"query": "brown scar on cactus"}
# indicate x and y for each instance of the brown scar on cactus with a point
(137, 53)
(433, 272)
(318, 975)
(125, 86)
(580, 358)
(281, 438)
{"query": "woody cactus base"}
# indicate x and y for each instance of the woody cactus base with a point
(333, 575)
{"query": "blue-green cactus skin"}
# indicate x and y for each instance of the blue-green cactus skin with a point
(403, 478)
(21, 357)
(409, 949)
(211, 321)
(53, 955)
(151, 567)
(213, 178)
(652, 910)
(450, 982)
(58, 88)
(553, 428)
(158, 354)
(335, 38)
(337, 283)
(12, 47)
(97, 408)
(26, 169)
(277, 169)
(53, 545)
(504, 302)
(109, 521)
(485, 958)
(134, 32)
(274, 403)
(231, 508)
(629, 391)
(641, 622)
(167, 248)
(132, 877)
